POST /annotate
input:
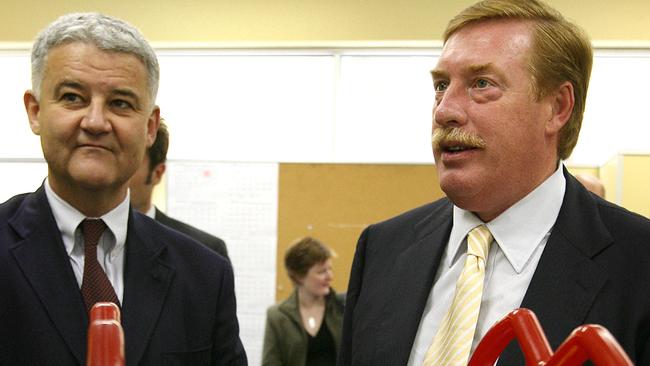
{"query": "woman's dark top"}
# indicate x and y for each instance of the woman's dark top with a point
(321, 350)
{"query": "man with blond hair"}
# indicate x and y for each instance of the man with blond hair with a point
(516, 229)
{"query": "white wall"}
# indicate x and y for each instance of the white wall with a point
(361, 106)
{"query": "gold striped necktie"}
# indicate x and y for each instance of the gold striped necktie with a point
(452, 344)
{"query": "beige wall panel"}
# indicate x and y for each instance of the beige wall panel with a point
(609, 175)
(306, 20)
(335, 202)
(636, 175)
(583, 170)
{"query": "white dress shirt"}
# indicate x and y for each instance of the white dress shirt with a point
(110, 249)
(520, 235)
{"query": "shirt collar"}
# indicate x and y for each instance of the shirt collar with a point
(520, 228)
(68, 219)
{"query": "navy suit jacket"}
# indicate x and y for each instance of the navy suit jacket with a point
(178, 303)
(201, 236)
(595, 269)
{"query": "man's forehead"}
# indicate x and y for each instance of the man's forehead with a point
(491, 34)
(79, 65)
(482, 45)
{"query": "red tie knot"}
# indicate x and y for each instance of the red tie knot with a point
(92, 230)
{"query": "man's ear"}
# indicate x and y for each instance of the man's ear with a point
(152, 126)
(563, 102)
(33, 108)
(157, 173)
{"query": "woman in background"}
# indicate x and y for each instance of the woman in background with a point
(305, 329)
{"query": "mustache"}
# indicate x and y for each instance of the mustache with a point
(455, 136)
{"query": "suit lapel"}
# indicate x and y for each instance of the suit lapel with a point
(567, 281)
(159, 215)
(43, 260)
(290, 308)
(146, 282)
(411, 282)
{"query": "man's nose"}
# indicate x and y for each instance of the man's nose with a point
(95, 120)
(449, 108)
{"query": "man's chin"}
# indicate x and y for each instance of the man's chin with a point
(98, 175)
(97, 180)
(453, 180)
(457, 188)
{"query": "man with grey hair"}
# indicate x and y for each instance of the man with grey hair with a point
(76, 240)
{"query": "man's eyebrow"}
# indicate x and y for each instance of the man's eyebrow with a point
(471, 70)
(485, 68)
(126, 93)
(438, 74)
(67, 84)
(477, 69)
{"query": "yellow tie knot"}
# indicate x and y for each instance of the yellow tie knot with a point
(478, 241)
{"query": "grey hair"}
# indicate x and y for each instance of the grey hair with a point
(102, 31)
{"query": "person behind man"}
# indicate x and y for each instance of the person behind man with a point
(305, 329)
(76, 241)
(147, 176)
(516, 229)
(592, 183)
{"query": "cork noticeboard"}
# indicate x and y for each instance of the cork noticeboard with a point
(335, 202)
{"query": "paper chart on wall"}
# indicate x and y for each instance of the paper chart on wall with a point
(238, 203)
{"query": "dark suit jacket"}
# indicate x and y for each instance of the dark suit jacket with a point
(595, 269)
(178, 307)
(201, 236)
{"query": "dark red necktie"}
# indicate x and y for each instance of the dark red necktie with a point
(95, 286)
